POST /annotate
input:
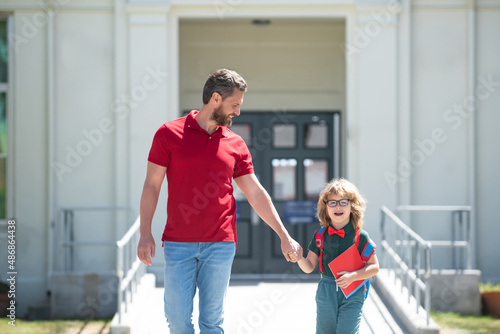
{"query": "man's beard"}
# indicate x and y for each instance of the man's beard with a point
(221, 119)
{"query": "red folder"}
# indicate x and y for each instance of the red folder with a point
(350, 260)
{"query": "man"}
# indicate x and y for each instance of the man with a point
(200, 158)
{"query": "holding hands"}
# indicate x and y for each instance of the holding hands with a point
(308, 265)
(295, 257)
(291, 249)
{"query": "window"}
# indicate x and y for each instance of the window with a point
(284, 135)
(315, 177)
(3, 116)
(284, 176)
(316, 136)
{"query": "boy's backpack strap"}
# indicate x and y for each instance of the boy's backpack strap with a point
(365, 255)
(320, 234)
(368, 249)
(356, 237)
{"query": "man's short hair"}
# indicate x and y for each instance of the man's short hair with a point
(223, 81)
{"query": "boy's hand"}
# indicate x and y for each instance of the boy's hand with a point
(290, 246)
(294, 257)
(345, 279)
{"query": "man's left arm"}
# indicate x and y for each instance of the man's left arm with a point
(260, 200)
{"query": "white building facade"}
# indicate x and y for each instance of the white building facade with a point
(86, 83)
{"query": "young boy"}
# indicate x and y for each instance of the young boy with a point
(340, 212)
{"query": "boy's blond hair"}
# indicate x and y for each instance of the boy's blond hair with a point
(344, 189)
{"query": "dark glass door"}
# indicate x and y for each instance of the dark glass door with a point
(294, 155)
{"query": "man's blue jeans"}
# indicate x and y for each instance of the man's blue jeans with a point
(188, 266)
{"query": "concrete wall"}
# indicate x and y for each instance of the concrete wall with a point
(84, 296)
(456, 291)
(64, 137)
(150, 34)
(455, 167)
(372, 119)
(291, 64)
(487, 156)
(84, 126)
(30, 164)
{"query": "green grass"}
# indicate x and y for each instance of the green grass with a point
(52, 326)
(453, 322)
(448, 322)
(489, 287)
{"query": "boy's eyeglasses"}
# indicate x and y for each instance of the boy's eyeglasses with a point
(333, 203)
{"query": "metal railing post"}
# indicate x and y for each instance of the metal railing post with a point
(119, 273)
(427, 285)
(460, 231)
(128, 267)
(408, 252)
(468, 239)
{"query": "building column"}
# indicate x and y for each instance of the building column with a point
(147, 99)
(372, 115)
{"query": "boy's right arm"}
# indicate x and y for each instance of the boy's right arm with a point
(309, 263)
(149, 199)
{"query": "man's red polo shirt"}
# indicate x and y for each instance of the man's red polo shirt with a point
(200, 169)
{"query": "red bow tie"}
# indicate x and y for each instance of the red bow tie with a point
(331, 231)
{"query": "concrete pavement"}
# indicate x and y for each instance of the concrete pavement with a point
(254, 307)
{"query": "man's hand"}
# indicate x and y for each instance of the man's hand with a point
(291, 247)
(146, 249)
(295, 257)
(149, 199)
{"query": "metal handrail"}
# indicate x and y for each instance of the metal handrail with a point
(434, 208)
(128, 267)
(460, 215)
(66, 232)
(126, 258)
(406, 262)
